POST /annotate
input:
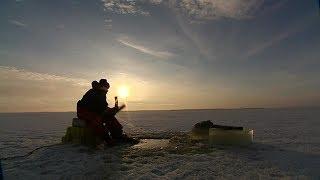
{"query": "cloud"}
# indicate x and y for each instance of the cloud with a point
(273, 7)
(22, 90)
(160, 54)
(154, 2)
(12, 73)
(261, 47)
(108, 20)
(124, 7)
(294, 29)
(194, 9)
(213, 9)
(17, 23)
(108, 26)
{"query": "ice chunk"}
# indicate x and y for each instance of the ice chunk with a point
(230, 137)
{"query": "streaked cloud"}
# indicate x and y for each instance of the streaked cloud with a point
(22, 90)
(285, 34)
(17, 23)
(261, 47)
(108, 20)
(12, 73)
(146, 50)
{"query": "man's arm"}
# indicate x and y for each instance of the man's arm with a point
(121, 107)
(113, 111)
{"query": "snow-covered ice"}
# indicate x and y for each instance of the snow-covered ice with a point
(287, 145)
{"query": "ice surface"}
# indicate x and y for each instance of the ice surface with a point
(287, 144)
(152, 144)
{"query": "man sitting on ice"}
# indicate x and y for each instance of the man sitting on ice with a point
(93, 108)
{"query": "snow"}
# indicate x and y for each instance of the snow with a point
(287, 145)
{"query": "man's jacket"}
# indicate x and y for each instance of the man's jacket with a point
(94, 100)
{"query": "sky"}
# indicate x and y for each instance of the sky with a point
(168, 54)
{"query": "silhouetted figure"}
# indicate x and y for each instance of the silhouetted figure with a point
(95, 85)
(93, 108)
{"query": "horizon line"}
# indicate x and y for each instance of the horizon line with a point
(186, 109)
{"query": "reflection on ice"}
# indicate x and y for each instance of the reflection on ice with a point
(152, 144)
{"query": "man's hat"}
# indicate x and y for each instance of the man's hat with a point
(95, 84)
(104, 83)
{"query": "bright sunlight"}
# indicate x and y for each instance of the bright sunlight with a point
(123, 92)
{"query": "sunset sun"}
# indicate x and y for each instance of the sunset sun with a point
(123, 92)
